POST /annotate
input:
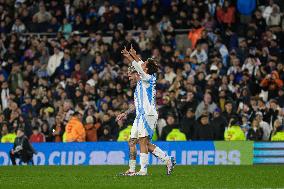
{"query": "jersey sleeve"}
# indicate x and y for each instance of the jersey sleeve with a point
(137, 66)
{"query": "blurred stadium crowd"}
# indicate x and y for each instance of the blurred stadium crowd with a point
(226, 85)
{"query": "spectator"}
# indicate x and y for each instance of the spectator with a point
(228, 113)
(66, 28)
(272, 83)
(58, 130)
(219, 124)
(67, 111)
(37, 136)
(203, 130)
(255, 132)
(272, 112)
(167, 108)
(54, 61)
(112, 128)
(67, 65)
(280, 97)
(77, 74)
(91, 129)
(205, 106)
(279, 134)
(189, 102)
(234, 132)
(200, 54)
(226, 14)
(54, 26)
(171, 124)
(106, 136)
(267, 129)
(15, 77)
(7, 137)
(5, 95)
(275, 17)
(18, 26)
(169, 74)
(188, 123)
(194, 35)
(46, 132)
(176, 135)
(75, 131)
(124, 134)
(245, 124)
(26, 108)
(41, 18)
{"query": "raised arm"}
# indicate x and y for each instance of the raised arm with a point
(132, 52)
(137, 64)
(127, 55)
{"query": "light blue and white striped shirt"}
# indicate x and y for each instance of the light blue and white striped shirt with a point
(145, 92)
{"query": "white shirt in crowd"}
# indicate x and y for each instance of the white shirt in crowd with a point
(266, 130)
(4, 98)
(161, 123)
(201, 56)
(170, 76)
(18, 28)
(251, 65)
(53, 63)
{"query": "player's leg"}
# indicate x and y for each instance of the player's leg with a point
(159, 153)
(132, 149)
(144, 157)
(170, 161)
(132, 154)
(144, 133)
(152, 122)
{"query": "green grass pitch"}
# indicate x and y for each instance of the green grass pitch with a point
(57, 177)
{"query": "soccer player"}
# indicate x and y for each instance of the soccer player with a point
(146, 114)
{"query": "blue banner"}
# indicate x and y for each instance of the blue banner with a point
(116, 153)
(268, 153)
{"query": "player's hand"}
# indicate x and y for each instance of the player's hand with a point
(121, 116)
(124, 52)
(132, 50)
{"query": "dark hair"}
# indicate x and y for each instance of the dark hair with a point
(77, 113)
(152, 66)
(235, 120)
(20, 129)
(35, 128)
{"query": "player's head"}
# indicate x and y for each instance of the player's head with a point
(150, 66)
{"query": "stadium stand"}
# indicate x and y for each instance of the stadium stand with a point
(221, 64)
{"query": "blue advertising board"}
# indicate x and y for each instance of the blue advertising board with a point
(116, 153)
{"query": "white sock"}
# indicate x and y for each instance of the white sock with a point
(144, 158)
(161, 154)
(132, 165)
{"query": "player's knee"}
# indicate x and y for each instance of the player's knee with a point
(132, 142)
(150, 145)
(143, 141)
